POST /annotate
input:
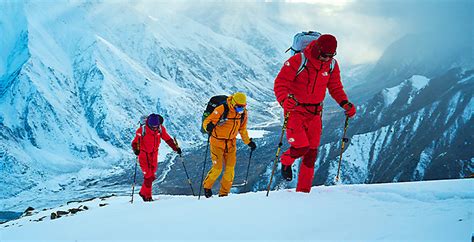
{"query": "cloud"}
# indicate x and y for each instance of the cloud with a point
(338, 3)
(361, 38)
(421, 15)
(366, 28)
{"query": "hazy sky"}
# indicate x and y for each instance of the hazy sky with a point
(364, 28)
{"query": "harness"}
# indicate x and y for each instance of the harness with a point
(317, 107)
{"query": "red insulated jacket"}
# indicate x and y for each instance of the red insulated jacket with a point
(152, 139)
(309, 87)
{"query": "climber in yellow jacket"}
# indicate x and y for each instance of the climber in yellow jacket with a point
(223, 132)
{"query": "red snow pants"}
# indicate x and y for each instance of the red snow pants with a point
(303, 133)
(148, 164)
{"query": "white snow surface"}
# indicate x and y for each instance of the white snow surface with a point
(419, 82)
(414, 211)
(390, 94)
(254, 134)
(75, 79)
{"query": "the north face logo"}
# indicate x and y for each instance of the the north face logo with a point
(291, 140)
(287, 63)
(325, 73)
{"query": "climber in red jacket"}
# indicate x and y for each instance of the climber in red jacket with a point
(302, 95)
(145, 145)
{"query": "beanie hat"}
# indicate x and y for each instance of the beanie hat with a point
(154, 120)
(327, 44)
(239, 98)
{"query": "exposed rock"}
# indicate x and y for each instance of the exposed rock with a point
(28, 211)
(40, 219)
(60, 213)
(75, 210)
(80, 201)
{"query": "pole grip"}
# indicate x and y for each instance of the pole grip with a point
(343, 142)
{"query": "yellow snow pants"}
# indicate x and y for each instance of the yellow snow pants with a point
(223, 153)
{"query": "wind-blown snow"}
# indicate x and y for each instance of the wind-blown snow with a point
(417, 211)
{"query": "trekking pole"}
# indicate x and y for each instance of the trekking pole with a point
(134, 179)
(344, 140)
(141, 123)
(280, 144)
(185, 171)
(248, 167)
(204, 166)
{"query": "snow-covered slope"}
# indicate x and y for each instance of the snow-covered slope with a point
(418, 211)
(75, 79)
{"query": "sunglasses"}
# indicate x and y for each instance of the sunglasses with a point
(239, 106)
(154, 127)
(328, 55)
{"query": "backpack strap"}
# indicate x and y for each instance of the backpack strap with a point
(242, 117)
(226, 112)
(143, 130)
(291, 48)
(304, 60)
(333, 65)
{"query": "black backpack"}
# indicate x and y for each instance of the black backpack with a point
(213, 103)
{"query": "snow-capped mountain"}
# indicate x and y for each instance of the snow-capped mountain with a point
(418, 130)
(76, 79)
(426, 54)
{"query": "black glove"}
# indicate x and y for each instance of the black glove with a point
(178, 150)
(210, 126)
(252, 145)
(137, 152)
